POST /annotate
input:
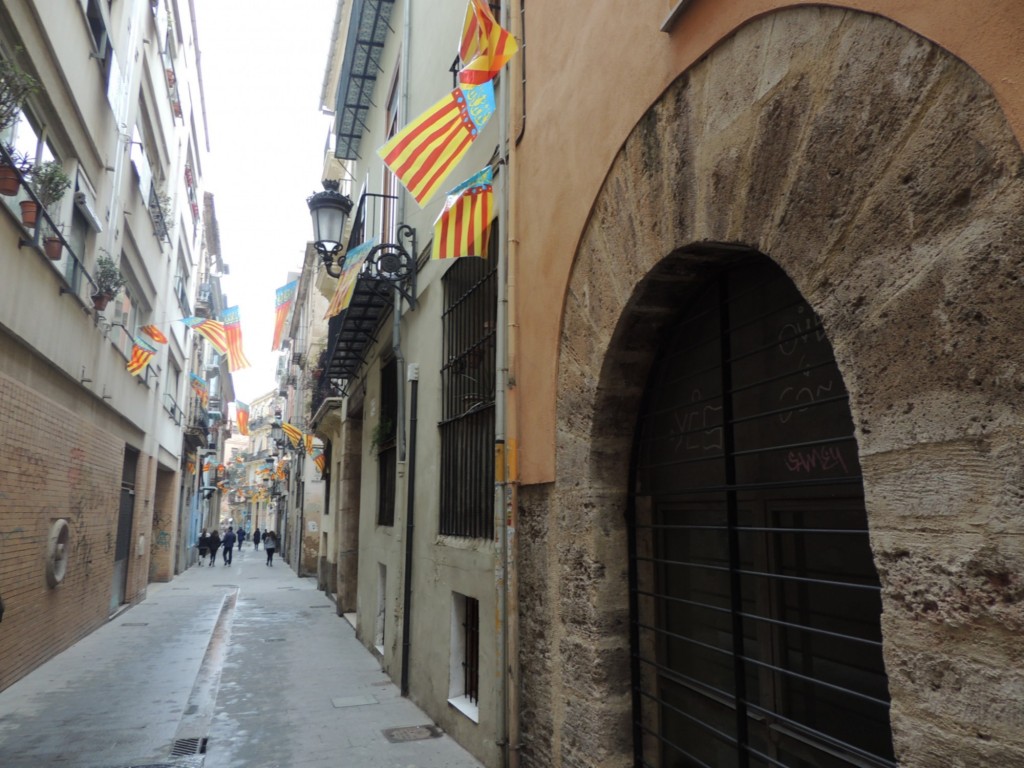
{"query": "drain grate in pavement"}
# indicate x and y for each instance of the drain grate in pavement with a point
(135, 624)
(274, 640)
(321, 606)
(412, 733)
(182, 747)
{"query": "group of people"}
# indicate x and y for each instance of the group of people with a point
(210, 543)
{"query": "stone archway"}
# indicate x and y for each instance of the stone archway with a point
(879, 172)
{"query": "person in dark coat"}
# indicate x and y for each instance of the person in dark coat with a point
(214, 546)
(270, 544)
(203, 545)
(229, 544)
(256, 539)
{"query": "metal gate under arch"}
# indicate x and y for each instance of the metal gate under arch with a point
(756, 606)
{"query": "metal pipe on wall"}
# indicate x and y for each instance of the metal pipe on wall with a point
(410, 497)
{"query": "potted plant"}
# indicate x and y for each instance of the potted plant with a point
(49, 182)
(16, 85)
(109, 281)
(52, 244)
(14, 166)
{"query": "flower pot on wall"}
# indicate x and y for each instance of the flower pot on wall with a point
(53, 247)
(100, 300)
(9, 181)
(29, 212)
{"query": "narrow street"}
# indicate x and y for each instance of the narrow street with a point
(247, 662)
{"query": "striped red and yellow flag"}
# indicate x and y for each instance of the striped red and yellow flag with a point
(233, 330)
(461, 229)
(200, 387)
(485, 46)
(425, 151)
(154, 333)
(293, 432)
(283, 299)
(350, 270)
(142, 353)
(242, 416)
(308, 440)
(320, 459)
(212, 330)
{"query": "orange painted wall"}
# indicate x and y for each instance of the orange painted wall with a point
(591, 76)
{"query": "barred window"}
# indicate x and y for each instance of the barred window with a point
(385, 443)
(468, 381)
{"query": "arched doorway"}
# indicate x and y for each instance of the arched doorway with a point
(755, 603)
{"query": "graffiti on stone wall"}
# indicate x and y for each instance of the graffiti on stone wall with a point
(162, 540)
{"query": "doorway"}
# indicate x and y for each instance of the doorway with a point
(755, 603)
(123, 541)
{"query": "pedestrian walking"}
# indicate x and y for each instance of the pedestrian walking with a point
(241, 534)
(256, 538)
(270, 544)
(214, 546)
(229, 544)
(203, 545)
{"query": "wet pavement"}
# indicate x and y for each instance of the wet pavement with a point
(227, 667)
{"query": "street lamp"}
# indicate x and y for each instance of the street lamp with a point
(329, 210)
(386, 262)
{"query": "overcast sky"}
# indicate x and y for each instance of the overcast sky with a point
(263, 65)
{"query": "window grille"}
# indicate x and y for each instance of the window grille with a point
(755, 601)
(387, 449)
(468, 381)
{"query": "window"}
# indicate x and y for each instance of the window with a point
(384, 440)
(464, 667)
(468, 378)
(181, 288)
(390, 182)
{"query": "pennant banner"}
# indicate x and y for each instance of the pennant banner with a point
(485, 46)
(233, 330)
(354, 261)
(242, 416)
(425, 151)
(200, 387)
(154, 333)
(461, 229)
(142, 353)
(212, 330)
(283, 302)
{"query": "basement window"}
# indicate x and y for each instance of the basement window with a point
(464, 666)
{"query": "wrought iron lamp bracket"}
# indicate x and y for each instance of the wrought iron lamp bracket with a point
(392, 263)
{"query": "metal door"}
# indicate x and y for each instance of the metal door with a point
(123, 541)
(755, 601)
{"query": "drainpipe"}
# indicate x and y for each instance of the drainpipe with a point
(395, 335)
(506, 434)
(414, 375)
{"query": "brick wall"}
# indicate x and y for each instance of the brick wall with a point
(53, 465)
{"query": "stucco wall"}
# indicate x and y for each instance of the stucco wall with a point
(881, 173)
(585, 96)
